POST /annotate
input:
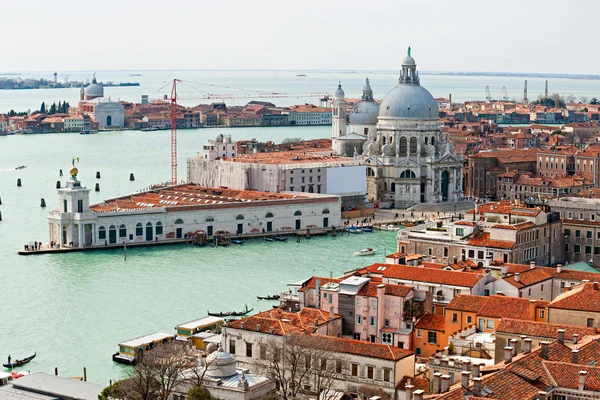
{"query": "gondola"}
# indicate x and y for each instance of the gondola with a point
(268, 239)
(230, 313)
(18, 363)
(279, 238)
(238, 241)
(274, 297)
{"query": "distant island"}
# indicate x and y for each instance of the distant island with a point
(30, 83)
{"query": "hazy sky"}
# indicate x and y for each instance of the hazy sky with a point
(463, 35)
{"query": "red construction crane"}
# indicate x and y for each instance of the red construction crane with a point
(174, 132)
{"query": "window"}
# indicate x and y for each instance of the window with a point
(338, 366)
(542, 287)
(358, 319)
(566, 247)
(386, 322)
(102, 233)
(577, 248)
(79, 206)
(590, 322)
(419, 351)
(490, 324)
(413, 145)
(323, 364)
(588, 234)
(354, 369)
(469, 319)
(372, 321)
(432, 337)
(460, 231)
(370, 372)
(387, 338)
(445, 252)
(480, 254)
(159, 228)
(403, 146)
(577, 233)
(64, 205)
(386, 375)
(263, 352)
(419, 333)
(471, 253)
(248, 349)
(430, 251)
(529, 292)
(541, 313)
(232, 346)
(291, 181)
(139, 229)
(588, 249)
(122, 231)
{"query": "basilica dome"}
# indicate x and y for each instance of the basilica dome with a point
(220, 364)
(94, 90)
(365, 112)
(409, 100)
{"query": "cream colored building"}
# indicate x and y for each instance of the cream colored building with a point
(579, 306)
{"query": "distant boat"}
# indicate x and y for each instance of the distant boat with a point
(135, 75)
(88, 132)
(367, 229)
(149, 129)
(18, 363)
(21, 167)
(231, 313)
(268, 239)
(238, 241)
(301, 75)
(353, 229)
(365, 252)
(274, 297)
(279, 238)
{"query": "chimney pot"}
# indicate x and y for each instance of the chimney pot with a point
(527, 345)
(476, 368)
(467, 365)
(445, 383)
(582, 376)
(561, 336)
(465, 379)
(595, 285)
(418, 394)
(575, 338)
(517, 277)
(508, 352)
(409, 390)
(242, 325)
(575, 356)
(558, 268)
(437, 382)
(514, 343)
(477, 386)
(532, 265)
(544, 350)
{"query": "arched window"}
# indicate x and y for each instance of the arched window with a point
(311, 189)
(139, 229)
(391, 140)
(393, 187)
(102, 233)
(297, 213)
(122, 231)
(269, 215)
(325, 211)
(385, 186)
(403, 147)
(426, 139)
(413, 145)
(210, 219)
(178, 221)
(383, 138)
(433, 140)
(159, 228)
(370, 172)
(239, 217)
(108, 120)
(407, 174)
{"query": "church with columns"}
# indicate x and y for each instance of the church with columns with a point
(408, 161)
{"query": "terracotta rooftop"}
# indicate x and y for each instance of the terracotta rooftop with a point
(432, 322)
(541, 330)
(506, 207)
(529, 277)
(188, 195)
(509, 156)
(312, 282)
(292, 157)
(515, 227)
(421, 274)
(483, 240)
(280, 322)
(566, 375)
(583, 298)
(496, 306)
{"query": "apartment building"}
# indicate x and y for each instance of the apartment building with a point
(578, 306)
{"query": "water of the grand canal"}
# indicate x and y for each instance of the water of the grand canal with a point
(73, 309)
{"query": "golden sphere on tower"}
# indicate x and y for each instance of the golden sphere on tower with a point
(73, 171)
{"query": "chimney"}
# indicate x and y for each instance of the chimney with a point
(476, 368)
(418, 394)
(464, 379)
(477, 387)
(575, 338)
(271, 329)
(437, 382)
(541, 395)
(514, 343)
(318, 292)
(445, 383)
(331, 313)
(522, 342)
(532, 304)
(575, 356)
(508, 353)
(582, 376)
(517, 277)
(558, 268)
(467, 365)
(544, 351)
(527, 345)
(595, 285)
(454, 259)
(257, 327)
(561, 336)
(408, 388)
(242, 325)
(532, 265)
(464, 257)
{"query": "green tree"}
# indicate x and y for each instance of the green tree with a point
(60, 107)
(594, 100)
(53, 108)
(43, 108)
(198, 393)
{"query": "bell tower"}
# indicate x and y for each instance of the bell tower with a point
(338, 117)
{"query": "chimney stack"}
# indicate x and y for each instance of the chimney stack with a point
(514, 343)
(544, 351)
(561, 336)
(575, 356)
(595, 285)
(476, 368)
(445, 383)
(558, 268)
(464, 378)
(508, 354)
(582, 376)
(418, 394)
(271, 329)
(517, 277)
(437, 382)
(527, 345)
(331, 313)
(532, 265)
(467, 365)
(477, 387)
(464, 257)
(408, 388)
(575, 338)
(242, 325)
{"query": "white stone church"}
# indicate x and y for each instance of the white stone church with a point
(400, 139)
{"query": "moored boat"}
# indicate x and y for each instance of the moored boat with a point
(353, 229)
(279, 238)
(367, 229)
(274, 297)
(18, 363)
(238, 241)
(365, 252)
(231, 313)
(268, 239)
(88, 132)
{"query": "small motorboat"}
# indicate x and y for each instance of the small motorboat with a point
(274, 297)
(268, 239)
(279, 238)
(354, 229)
(21, 167)
(238, 241)
(18, 363)
(231, 313)
(365, 252)
(88, 132)
(367, 229)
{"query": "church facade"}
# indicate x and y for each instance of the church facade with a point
(407, 160)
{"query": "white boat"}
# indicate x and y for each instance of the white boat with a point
(365, 252)
(88, 132)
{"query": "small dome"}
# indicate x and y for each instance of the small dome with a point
(211, 348)
(388, 150)
(94, 89)
(409, 101)
(364, 113)
(220, 364)
(339, 93)
(408, 60)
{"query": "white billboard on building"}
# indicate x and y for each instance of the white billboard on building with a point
(351, 180)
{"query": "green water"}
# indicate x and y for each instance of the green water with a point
(73, 309)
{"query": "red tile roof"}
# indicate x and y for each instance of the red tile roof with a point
(565, 375)
(432, 322)
(582, 298)
(515, 227)
(529, 277)
(280, 322)
(541, 330)
(483, 240)
(421, 274)
(496, 306)
(312, 283)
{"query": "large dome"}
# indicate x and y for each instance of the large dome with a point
(94, 89)
(364, 113)
(220, 364)
(409, 101)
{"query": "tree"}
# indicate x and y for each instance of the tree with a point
(291, 140)
(594, 100)
(43, 108)
(571, 98)
(53, 108)
(302, 360)
(60, 107)
(584, 99)
(198, 393)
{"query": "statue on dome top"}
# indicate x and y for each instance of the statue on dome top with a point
(409, 50)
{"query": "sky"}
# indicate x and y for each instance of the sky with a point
(549, 36)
